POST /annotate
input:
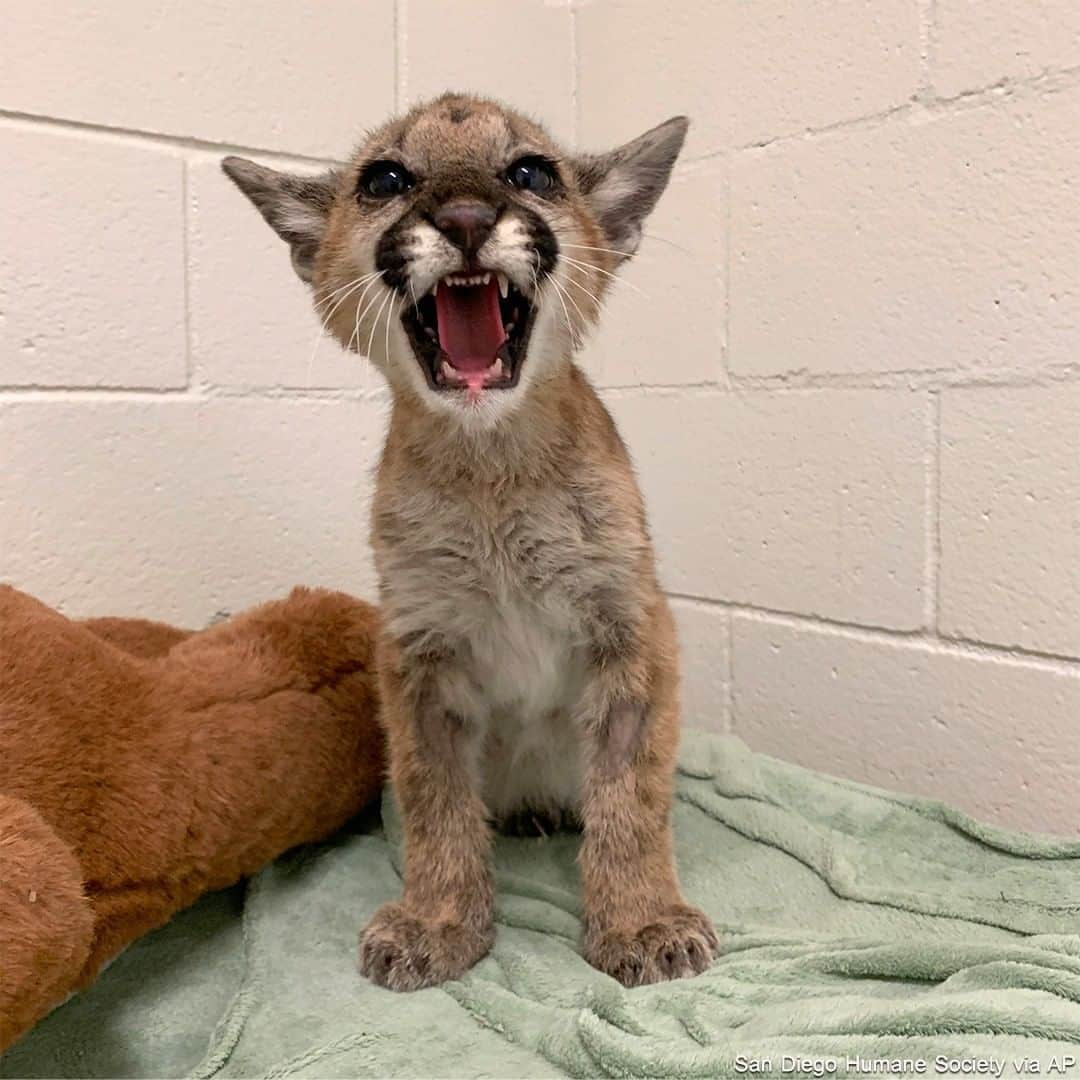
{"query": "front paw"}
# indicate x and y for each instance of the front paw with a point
(680, 943)
(401, 951)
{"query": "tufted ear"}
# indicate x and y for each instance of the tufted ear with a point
(623, 186)
(295, 207)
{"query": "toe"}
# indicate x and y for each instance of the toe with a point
(376, 961)
(666, 953)
(698, 955)
(681, 943)
(629, 966)
(673, 961)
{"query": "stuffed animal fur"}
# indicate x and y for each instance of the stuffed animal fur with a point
(141, 766)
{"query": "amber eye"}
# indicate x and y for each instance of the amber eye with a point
(385, 179)
(531, 174)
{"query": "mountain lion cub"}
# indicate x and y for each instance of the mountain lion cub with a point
(527, 659)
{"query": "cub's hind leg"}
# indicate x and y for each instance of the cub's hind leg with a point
(540, 821)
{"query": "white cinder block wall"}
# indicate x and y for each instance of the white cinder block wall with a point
(852, 384)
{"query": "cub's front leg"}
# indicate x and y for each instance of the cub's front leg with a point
(637, 926)
(443, 922)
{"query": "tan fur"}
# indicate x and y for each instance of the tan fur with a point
(141, 766)
(527, 658)
(481, 144)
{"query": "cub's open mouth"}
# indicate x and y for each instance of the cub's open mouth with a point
(470, 332)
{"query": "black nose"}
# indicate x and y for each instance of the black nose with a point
(466, 224)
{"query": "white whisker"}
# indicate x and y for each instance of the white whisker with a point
(346, 290)
(361, 311)
(577, 307)
(326, 297)
(378, 315)
(589, 293)
(559, 292)
(625, 255)
(536, 284)
(606, 273)
(671, 243)
(590, 247)
(389, 317)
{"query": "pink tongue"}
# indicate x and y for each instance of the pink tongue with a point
(470, 324)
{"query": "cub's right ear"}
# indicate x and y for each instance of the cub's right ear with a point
(297, 208)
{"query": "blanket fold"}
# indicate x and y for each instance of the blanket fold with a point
(858, 927)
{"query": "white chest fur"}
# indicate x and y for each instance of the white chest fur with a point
(504, 592)
(529, 667)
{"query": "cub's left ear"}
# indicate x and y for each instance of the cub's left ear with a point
(295, 207)
(623, 186)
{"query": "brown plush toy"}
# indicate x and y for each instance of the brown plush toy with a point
(141, 766)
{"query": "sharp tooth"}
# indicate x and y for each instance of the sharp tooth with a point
(446, 370)
(504, 286)
(497, 367)
(435, 288)
(486, 278)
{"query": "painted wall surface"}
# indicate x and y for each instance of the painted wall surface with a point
(846, 360)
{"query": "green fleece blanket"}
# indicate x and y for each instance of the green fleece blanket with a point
(862, 933)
